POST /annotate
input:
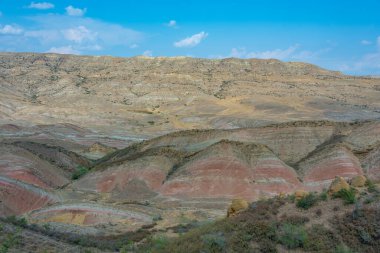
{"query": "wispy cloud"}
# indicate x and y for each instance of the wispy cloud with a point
(148, 53)
(280, 54)
(76, 12)
(79, 34)
(365, 42)
(51, 32)
(292, 53)
(172, 23)
(44, 36)
(41, 5)
(368, 62)
(63, 50)
(191, 41)
(10, 30)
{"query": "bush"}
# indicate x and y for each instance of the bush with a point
(158, 243)
(79, 172)
(360, 229)
(307, 201)
(343, 249)
(215, 242)
(10, 241)
(157, 217)
(371, 186)
(347, 195)
(295, 219)
(292, 198)
(323, 196)
(320, 239)
(292, 236)
(20, 222)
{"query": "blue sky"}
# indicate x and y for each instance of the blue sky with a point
(338, 35)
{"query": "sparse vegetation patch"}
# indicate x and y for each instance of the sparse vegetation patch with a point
(79, 172)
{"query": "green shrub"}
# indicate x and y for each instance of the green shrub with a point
(157, 217)
(343, 249)
(292, 198)
(307, 201)
(10, 241)
(292, 236)
(371, 186)
(365, 237)
(158, 243)
(295, 219)
(348, 196)
(323, 196)
(80, 171)
(128, 247)
(320, 239)
(215, 242)
(20, 222)
(46, 226)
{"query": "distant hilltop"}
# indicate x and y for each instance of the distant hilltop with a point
(146, 97)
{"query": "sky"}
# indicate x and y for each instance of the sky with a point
(337, 35)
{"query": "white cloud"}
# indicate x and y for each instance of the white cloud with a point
(67, 34)
(148, 53)
(84, 35)
(238, 53)
(41, 6)
(133, 46)
(280, 54)
(95, 47)
(368, 63)
(45, 36)
(79, 34)
(365, 42)
(191, 41)
(63, 50)
(10, 29)
(172, 23)
(76, 12)
(291, 53)
(307, 55)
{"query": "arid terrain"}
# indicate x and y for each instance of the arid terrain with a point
(117, 150)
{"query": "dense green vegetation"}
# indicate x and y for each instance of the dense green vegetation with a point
(8, 240)
(348, 196)
(311, 199)
(308, 201)
(79, 172)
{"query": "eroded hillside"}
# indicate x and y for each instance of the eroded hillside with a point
(114, 150)
(145, 97)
